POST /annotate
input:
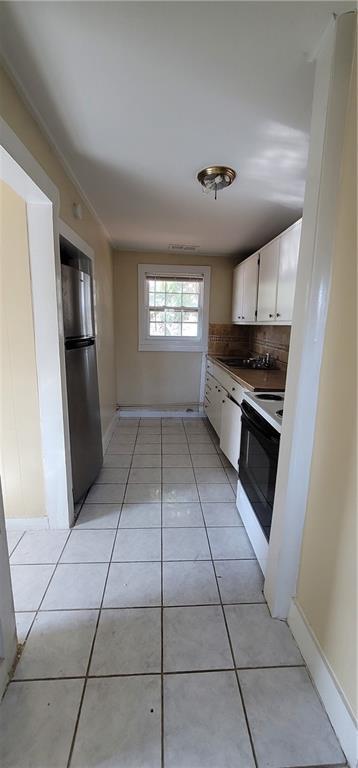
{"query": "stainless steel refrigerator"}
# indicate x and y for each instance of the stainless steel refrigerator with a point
(81, 371)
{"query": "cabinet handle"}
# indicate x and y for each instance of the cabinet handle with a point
(232, 389)
(278, 314)
(270, 315)
(239, 317)
(223, 401)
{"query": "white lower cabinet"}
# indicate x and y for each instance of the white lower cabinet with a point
(214, 396)
(231, 429)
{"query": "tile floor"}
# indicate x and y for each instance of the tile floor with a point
(147, 639)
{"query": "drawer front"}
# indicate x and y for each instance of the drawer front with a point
(216, 376)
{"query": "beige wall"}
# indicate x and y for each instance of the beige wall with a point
(20, 443)
(327, 587)
(160, 378)
(18, 117)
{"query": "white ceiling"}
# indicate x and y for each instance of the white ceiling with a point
(139, 96)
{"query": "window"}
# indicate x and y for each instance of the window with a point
(173, 307)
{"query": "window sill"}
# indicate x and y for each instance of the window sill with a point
(156, 345)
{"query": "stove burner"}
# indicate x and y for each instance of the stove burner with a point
(268, 396)
(279, 413)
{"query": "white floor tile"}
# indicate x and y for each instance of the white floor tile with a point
(145, 475)
(39, 547)
(212, 475)
(142, 493)
(29, 723)
(195, 638)
(182, 514)
(240, 581)
(177, 460)
(137, 544)
(230, 543)
(140, 516)
(133, 585)
(29, 583)
(88, 547)
(216, 492)
(117, 460)
(128, 641)
(178, 475)
(221, 513)
(150, 449)
(147, 460)
(185, 544)
(23, 624)
(205, 724)
(288, 723)
(58, 645)
(175, 448)
(258, 640)
(180, 492)
(111, 493)
(13, 538)
(99, 516)
(189, 584)
(76, 586)
(119, 725)
(197, 449)
(206, 460)
(110, 475)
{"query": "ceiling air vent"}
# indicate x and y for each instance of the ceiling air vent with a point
(183, 248)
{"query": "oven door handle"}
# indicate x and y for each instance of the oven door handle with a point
(258, 426)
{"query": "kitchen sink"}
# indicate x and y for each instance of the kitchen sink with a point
(248, 362)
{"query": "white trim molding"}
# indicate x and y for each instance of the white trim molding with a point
(332, 696)
(330, 102)
(172, 343)
(22, 172)
(174, 412)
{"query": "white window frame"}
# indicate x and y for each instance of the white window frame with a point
(148, 343)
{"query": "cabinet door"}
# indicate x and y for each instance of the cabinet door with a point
(237, 293)
(289, 248)
(230, 431)
(249, 301)
(219, 394)
(266, 304)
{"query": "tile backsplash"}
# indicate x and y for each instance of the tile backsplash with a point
(226, 339)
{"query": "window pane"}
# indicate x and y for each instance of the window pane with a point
(173, 287)
(191, 287)
(190, 317)
(151, 300)
(156, 329)
(157, 317)
(160, 286)
(159, 299)
(190, 300)
(151, 285)
(190, 329)
(173, 300)
(171, 316)
(173, 329)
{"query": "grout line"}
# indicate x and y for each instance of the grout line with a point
(174, 560)
(16, 545)
(93, 641)
(231, 647)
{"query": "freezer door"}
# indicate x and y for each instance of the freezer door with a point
(84, 417)
(77, 303)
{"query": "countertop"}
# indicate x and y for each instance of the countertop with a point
(255, 378)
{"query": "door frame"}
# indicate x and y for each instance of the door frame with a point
(26, 177)
(331, 93)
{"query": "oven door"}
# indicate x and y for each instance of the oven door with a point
(258, 464)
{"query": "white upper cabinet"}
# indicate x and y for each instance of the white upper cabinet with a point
(251, 276)
(264, 284)
(244, 295)
(237, 293)
(266, 300)
(286, 284)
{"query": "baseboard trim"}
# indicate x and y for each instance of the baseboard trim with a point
(162, 413)
(333, 698)
(26, 523)
(109, 431)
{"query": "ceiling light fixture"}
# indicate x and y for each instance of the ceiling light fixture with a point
(216, 177)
